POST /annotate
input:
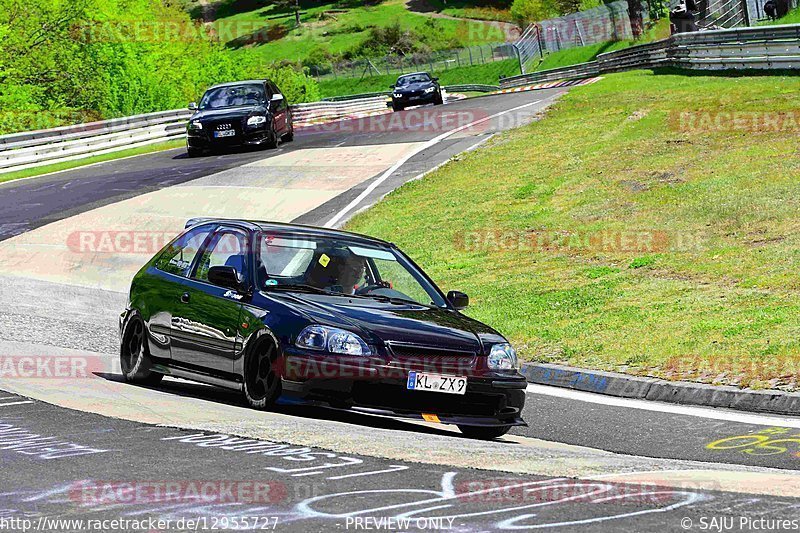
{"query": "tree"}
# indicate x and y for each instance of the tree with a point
(527, 11)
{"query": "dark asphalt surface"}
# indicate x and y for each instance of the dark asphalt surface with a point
(658, 434)
(60, 464)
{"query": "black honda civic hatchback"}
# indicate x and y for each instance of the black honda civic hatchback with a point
(242, 113)
(290, 313)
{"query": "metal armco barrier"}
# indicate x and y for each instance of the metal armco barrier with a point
(760, 48)
(19, 151)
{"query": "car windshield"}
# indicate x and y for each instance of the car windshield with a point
(233, 96)
(412, 78)
(339, 266)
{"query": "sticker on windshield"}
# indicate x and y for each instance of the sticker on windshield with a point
(324, 260)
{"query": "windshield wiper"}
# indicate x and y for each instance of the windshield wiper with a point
(300, 287)
(391, 299)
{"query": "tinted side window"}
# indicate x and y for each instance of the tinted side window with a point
(178, 256)
(227, 248)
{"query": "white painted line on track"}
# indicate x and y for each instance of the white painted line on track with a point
(647, 405)
(391, 170)
(14, 403)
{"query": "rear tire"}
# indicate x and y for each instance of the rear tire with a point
(134, 356)
(262, 382)
(484, 432)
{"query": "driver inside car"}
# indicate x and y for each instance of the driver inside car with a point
(336, 270)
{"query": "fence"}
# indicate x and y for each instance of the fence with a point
(609, 22)
(402, 64)
(764, 48)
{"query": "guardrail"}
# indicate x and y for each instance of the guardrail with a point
(761, 48)
(19, 151)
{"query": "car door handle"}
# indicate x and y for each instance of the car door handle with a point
(185, 297)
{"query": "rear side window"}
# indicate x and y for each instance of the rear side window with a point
(178, 256)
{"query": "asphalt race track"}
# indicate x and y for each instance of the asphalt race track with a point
(95, 448)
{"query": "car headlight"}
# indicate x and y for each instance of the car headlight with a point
(256, 121)
(397, 95)
(334, 340)
(430, 90)
(196, 125)
(502, 357)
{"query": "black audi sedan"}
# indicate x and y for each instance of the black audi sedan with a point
(415, 89)
(242, 113)
(290, 313)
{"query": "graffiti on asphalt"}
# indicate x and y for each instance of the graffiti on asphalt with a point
(769, 441)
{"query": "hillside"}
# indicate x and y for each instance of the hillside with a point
(343, 29)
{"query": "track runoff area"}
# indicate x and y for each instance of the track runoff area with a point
(84, 451)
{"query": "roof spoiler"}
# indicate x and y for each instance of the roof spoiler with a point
(196, 220)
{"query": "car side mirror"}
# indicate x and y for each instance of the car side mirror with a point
(391, 86)
(224, 276)
(435, 79)
(277, 97)
(458, 299)
(192, 106)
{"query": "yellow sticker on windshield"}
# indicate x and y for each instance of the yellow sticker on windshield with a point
(324, 260)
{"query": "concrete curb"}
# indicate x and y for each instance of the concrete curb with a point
(680, 392)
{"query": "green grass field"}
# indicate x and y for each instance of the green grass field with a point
(488, 74)
(630, 243)
(484, 10)
(582, 54)
(334, 27)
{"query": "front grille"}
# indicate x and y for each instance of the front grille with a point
(431, 359)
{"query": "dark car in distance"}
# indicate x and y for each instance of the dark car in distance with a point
(242, 113)
(296, 313)
(418, 88)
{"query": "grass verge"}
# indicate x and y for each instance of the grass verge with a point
(66, 165)
(488, 73)
(609, 236)
(582, 54)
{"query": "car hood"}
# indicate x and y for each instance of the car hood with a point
(382, 322)
(229, 113)
(414, 87)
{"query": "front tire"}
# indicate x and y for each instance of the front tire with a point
(134, 356)
(397, 107)
(289, 136)
(484, 432)
(262, 383)
(193, 152)
(439, 100)
(272, 141)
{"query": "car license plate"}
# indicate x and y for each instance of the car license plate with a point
(436, 383)
(225, 133)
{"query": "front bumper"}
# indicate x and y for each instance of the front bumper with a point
(243, 136)
(377, 384)
(423, 99)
